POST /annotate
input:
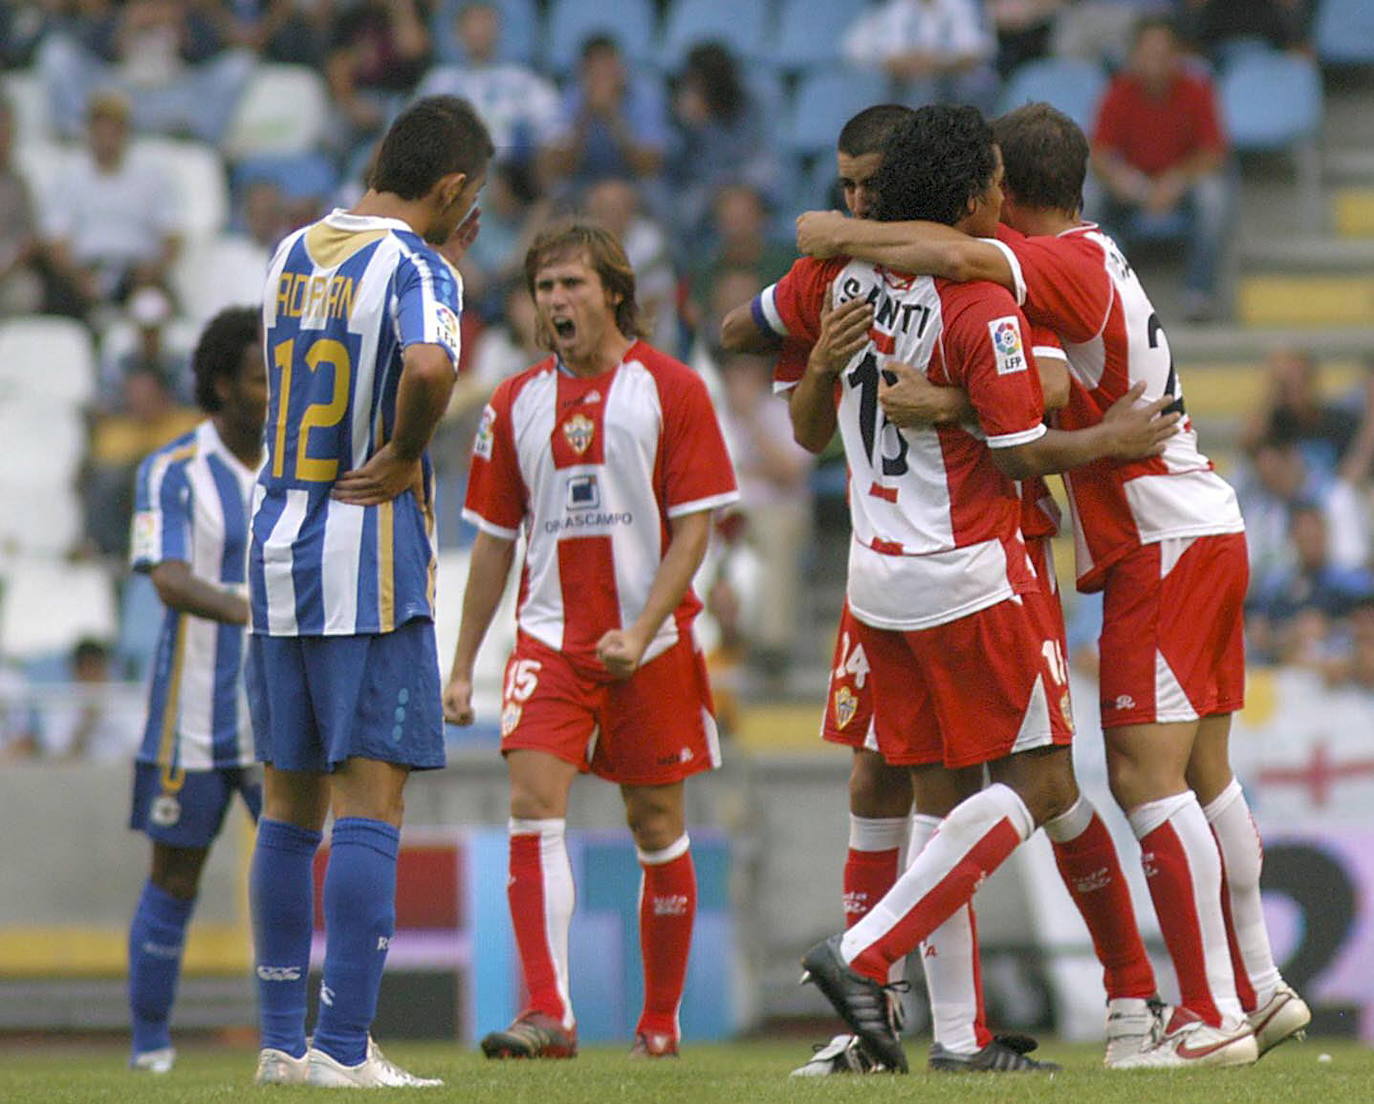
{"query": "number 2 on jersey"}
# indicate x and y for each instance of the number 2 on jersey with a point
(323, 351)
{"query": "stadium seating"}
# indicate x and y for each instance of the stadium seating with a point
(25, 94)
(306, 175)
(218, 272)
(48, 604)
(284, 109)
(179, 337)
(198, 178)
(1344, 32)
(740, 24)
(519, 31)
(63, 349)
(572, 22)
(825, 100)
(45, 439)
(1072, 85)
(809, 33)
(1272, 102)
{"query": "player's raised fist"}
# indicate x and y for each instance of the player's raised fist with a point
(620, 650)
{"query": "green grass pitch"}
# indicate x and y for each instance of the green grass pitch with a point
(740, 1073)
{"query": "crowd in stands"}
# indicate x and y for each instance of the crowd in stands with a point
(687, 145)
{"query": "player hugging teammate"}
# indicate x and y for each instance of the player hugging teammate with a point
(1151, 520)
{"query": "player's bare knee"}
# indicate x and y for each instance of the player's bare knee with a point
(176, 870)
(876, 789)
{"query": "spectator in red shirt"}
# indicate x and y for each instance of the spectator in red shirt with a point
(1159, 151)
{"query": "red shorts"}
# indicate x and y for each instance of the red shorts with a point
(849, 701)
(1173, 621)
(1044, 603)
(653, 728)
(970, 691)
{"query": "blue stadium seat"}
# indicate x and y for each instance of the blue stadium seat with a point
(519, 31)
(1344, 32)
(809, 33)
(1070, 84)
(825, 101)
(1271, 101)
(740, 24)
(299, 176)
(572, 22)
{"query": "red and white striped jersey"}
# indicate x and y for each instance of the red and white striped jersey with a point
(593, 469)
(935, 524)
(1079, 285)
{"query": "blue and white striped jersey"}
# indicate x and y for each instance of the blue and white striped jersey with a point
(344, 297)
(192, 505)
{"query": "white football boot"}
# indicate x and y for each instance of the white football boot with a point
(1283, 1016)
(376, 1071)
(154, 1061)
(276, 1067)
(1186, 1041)
(1131, 1023)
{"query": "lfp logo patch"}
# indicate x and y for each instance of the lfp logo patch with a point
(1006, 345)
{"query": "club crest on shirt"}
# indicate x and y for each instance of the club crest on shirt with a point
(510, 718)
(1066, 707)
(166, 811)
(1006, 345)
(846, 705)
(579, 431)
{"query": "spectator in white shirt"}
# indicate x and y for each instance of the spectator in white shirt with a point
(520, 108)
(109, 227)
(934, 51)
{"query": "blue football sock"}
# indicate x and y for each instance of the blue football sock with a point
(281, 888)
(156, 937)
(359, 919)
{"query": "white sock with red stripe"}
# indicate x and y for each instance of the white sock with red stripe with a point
(1183, 870)
(1242, 856)
(667, 907)
(541, 896)
(973, 841)
(949, 960)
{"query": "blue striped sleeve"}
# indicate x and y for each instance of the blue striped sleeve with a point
(428, 302)
(162, 514)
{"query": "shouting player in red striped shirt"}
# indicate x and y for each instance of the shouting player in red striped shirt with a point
(609, 458)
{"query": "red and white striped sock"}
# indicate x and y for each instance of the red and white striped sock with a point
(1242, 857)
(541, 896)
(667, 907)
(954, 976)
(1183, 871)
(1091, 869)
(972, 842)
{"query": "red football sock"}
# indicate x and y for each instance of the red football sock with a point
(667, 907)
(877, 847)
(1091, 869)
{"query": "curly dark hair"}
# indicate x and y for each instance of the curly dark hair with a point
(934, 164)
(219, 352)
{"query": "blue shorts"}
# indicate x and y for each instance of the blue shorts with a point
(186, 808)
(317, 701)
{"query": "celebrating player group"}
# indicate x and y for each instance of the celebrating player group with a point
(967, 334)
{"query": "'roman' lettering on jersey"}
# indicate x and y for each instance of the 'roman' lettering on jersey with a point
(343, 300)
